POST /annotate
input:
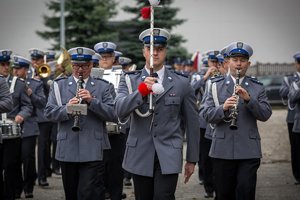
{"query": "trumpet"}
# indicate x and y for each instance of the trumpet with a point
(44, 70)
(76, 126)
(234, 113)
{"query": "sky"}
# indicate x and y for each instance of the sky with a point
(271, 27)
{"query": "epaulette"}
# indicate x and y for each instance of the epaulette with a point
(101, 79)
(1, 76)
(21, 79)
(133, 72)
(37, 80)
(60, 78)
(181, 74)
(254, 80)
(215, 79)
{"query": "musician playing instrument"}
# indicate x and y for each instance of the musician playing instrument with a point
(236, 153)
(154, 146)
(112, 157)
(22, 109)
(34, 89)
(6, 104)
(81, 153)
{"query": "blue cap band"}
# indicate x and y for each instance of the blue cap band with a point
(81, 57)
(238, 51)
(4, 58)
(157, 40)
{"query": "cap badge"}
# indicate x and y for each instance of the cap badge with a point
(4, 53)
(16, 59)
(105, 45)
(35, 51)
(239, 45)
(80, 51)
(156, 32)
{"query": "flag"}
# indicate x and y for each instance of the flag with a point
(196, 62)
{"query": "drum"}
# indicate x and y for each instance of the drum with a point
(113, 76)
(10, 129)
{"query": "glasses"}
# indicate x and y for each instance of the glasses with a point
(106, 57)
(84, 67)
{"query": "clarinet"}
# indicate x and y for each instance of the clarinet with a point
(234, 113)
(76, 126)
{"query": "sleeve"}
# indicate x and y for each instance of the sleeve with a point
(38, 98)
(284, 89)
(294, 92)
(6, 102)
(26, 107)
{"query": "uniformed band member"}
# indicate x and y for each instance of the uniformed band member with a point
(6, 105)
(34, 89)
(22, 109)
(236, 153)
(96, 58)
(113, 157)
(81, 153)
(291, 83)
(154, 146)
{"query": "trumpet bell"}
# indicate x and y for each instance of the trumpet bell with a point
(44, 71)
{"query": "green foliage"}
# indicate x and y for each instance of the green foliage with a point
(164, 17)
(86, 23)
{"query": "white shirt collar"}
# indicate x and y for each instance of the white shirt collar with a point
(85, 80)
(234, 79)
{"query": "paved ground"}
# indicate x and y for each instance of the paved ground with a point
(275, 181)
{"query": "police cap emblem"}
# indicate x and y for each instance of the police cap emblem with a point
(156, 32)
(105, 45)
(16, 59)
(4, 53)
(80, 51)
(239, 45)
(35, 51)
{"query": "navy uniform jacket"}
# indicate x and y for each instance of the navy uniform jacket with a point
(88, 144)
(6, 103)
(22, 103)
(161, 132)
(38, 100)
(284, 91)
(243, 143)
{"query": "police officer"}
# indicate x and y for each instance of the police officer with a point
(34, 89)
(112, 157)
(6, 105)
(289, 81)
(154, 146)
(81, 153)
(236, 148)
(22, 109)
(96, 58)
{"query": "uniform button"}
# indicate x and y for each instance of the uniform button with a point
(154, 135)
(155, 124)
(156, 113)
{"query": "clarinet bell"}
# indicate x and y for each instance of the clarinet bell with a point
(233, 125)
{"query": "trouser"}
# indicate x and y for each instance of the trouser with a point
(200, 168)
(158, 187)
(44, 156)
(113, 176)
(235, 179)
(26, 181)
(295, 151)
(206, 163)
(83, 181)
(11, 159)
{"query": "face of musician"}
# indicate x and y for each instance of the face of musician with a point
(238, 62)
(83, 68)
(4, 69)
(107, 60)
(212, 63)
(37, 62)
(297, 65)
(20, 72)
(159, 56)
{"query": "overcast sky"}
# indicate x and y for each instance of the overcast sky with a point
(271, 27)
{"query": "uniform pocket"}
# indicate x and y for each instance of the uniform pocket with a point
(173, 104)
(177, 144)
(62, 136)
(131, 142)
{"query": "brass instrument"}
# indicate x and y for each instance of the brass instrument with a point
(64, 64)
(234, 112)
(43, 70)
(76, 126)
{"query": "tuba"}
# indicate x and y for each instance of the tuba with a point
(234, 112)
(64, 66)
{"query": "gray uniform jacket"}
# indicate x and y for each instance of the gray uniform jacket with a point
(38, 100)
(6, 103)
(284, 91)
(161, 132)
(243, 143)
(22, 103)
(87, 144)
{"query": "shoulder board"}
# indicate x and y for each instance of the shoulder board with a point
(21, 79)
(133, 72)
(254, 80)
(215, 79)
(181, 74)
(1, 76)
(60, 78)
(34, 79)
(96, 78)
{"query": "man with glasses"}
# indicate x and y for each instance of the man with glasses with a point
(81, 153)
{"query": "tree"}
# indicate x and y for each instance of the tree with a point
(86, 23)
(164, 17)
